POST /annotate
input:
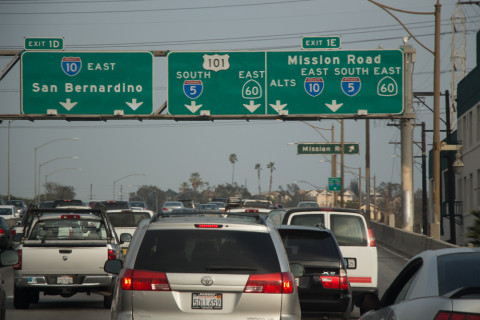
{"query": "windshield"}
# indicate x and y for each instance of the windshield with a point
(6, 211)
(68, 229)
(127, 219)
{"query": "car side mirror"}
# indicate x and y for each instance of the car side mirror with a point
(297, 269)
(367, 301)
(125, 237)
(9, 258)
(113, 266)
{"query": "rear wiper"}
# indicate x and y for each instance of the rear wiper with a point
(228, 268)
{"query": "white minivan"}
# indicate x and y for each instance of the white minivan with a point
(354, 236)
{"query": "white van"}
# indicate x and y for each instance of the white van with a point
(354, 236)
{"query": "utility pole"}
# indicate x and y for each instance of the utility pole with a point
(407, 140)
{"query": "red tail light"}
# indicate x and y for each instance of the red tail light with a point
(112, 255)
(336, 282)
(140, 280)
(14, 232)
(18, 266)
(270, 283)
(2, 231)
(448, 315)
(209, 226)
(70, 216)
(251, 210)
(371, 237)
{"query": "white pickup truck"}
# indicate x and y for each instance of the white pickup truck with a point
(62, 252)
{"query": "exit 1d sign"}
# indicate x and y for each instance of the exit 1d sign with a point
(43, 43)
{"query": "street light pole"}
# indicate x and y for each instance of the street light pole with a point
(133, 174)
(435, 226)
(40, 168)
(53, 172)
(35, 162)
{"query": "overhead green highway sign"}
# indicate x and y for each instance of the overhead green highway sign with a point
(359, 82)
(43, 43)
(321, 42)
(92, 83)
(328, 148)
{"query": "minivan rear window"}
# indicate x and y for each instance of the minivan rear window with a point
(212, 251)
(349, 230)
(308, 220)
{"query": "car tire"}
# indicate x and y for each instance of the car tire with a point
(21, 298)
(34, 296)
(107, 301)
(3, 308)
(346, 315)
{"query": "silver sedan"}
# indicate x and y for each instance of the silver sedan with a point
(435, 284)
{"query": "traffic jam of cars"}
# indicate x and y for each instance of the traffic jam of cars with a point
(235, 259)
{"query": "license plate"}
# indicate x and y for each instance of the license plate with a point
(65, 280)
(207, 301)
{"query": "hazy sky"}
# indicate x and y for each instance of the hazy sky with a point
(167, 152)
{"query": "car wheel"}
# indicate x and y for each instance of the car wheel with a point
(107, 301)
(21, 298)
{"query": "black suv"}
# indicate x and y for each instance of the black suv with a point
(323, 286)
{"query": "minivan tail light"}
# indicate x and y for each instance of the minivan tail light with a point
(270, 283)
(141, 280)
(448, 315)
(371, 238)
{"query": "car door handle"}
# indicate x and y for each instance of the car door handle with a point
(65, 251)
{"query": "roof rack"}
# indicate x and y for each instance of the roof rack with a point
(199, 213)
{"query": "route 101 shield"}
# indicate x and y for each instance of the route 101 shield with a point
(193, 88)
(71, 65)
(351, 86)
(314, 86)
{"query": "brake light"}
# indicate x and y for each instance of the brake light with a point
(70, 216)
(448, 315)
(251, 210)
(2, 231)
(18, 266)
(371, 238)
(140, 280)
(14, 232)
(270, 283)
(112, 255)
(335, 282)
(211, 226)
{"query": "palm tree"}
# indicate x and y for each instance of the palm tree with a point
(271, 166)
(196, 181)
(233, 159)
(258, 167)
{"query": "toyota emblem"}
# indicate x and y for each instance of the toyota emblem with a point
(207, 281)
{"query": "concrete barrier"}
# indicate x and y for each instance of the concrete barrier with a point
(405, 242)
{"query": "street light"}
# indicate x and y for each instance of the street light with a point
(133, 174)
(435, 227)
(53, 172)
(40, 168)
(35, 161)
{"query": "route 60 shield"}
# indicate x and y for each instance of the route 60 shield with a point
(314, 86)
(351, 86)
(193, 88)
(71, 65)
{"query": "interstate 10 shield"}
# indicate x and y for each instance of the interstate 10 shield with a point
(314, 86)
